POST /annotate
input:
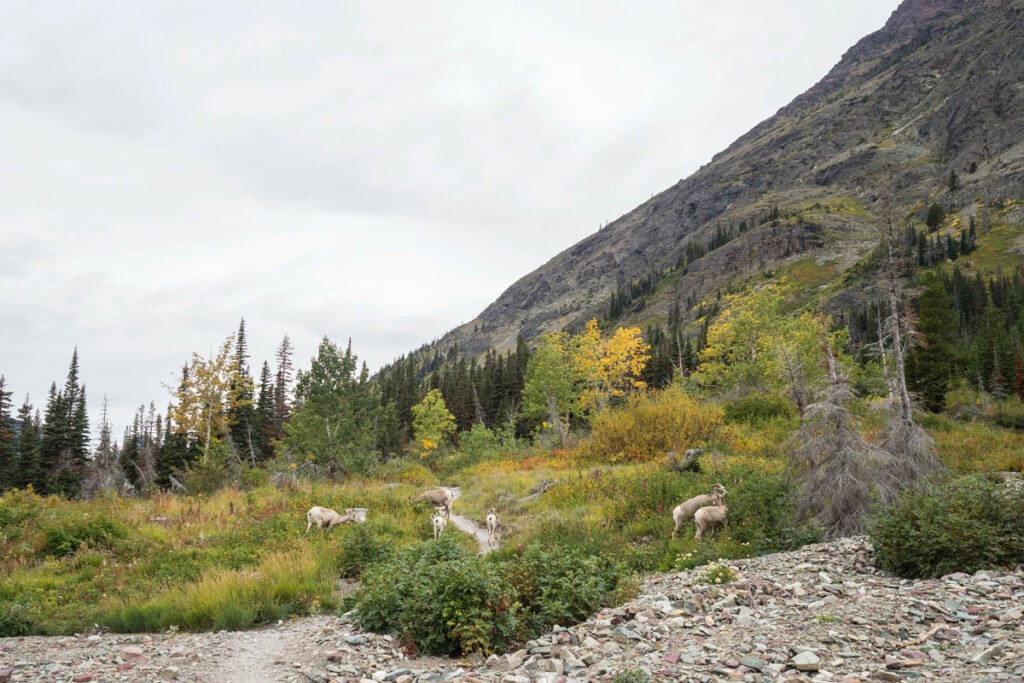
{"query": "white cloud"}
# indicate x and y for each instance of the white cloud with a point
(374, 170)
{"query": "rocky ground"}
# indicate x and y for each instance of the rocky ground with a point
(819, 614)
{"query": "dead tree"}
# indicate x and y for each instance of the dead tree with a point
(909, 446)
(840, 476)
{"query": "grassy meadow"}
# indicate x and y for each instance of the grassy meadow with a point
(238, 558)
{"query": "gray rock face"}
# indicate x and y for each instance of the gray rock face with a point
(936, 89)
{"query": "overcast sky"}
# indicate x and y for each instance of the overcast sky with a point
(373, 170)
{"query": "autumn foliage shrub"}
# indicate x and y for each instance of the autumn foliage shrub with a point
(648, 425)
(758, 408)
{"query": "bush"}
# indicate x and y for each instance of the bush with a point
(13, 622)
(363, 546)
(758, 408)
(717, 573)
(441, 599)
(444, 599)
(1009, 413)
(67, 538)
(650, 424)
(969, 524)
(561, 586)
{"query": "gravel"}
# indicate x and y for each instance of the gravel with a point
(822, 613)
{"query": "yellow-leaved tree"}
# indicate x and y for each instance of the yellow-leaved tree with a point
(205, 398)
(608, 367)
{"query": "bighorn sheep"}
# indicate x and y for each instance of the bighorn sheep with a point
(492, 525)
(439, 497)
(708, 517)
(325, 518)
(686, 510)
(439, 523)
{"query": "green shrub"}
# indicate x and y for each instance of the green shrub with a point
(758, 408)
(561, 586)
(65, 539)
(760, 512)
(441, 599)
(13, 622)
(362, 546)
(1009, 413)
(968, 524)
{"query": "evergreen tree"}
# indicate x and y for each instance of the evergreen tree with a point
(930, 363)
(245, 438)
(335, 422)
(7, 445)
(1018, 374)
(933, 219)
(27, 471)
(64, 449)
(264, 412)
(174, 455)
(282, 388)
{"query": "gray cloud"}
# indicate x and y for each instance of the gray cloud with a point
(365, 169)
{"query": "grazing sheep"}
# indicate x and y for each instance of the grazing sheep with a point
(440, 497)
(693, 453)
(710, 516)
(492, 525)
(439, 523)
(686, 510)
(325, 518)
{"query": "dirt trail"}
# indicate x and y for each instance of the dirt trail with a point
(468, 526)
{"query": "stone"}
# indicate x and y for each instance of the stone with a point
(5, 673)
(991, 653)
(82, 678)
(132, 653)
(752, 663)
(169, 673)
(806, 661)
(357, 640)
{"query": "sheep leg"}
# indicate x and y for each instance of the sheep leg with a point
(309, 524)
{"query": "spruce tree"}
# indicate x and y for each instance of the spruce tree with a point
(64, 448)
(930, 363)
(282, 388)
(7, 450)
(244, 437)
(264, 417)
(26, 471)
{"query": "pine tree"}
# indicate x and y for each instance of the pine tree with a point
(7, 450)
(26, 471)
(264, 417)
(930, 363)
(1018, 374)
(282, 388)
(244, 437)
(64, 448)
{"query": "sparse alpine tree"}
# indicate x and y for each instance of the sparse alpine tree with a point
(550, 380)
(64, 448)
(105, 475)
(909, 446)
(839, 475)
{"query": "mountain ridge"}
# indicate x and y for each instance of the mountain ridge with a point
(936, 89)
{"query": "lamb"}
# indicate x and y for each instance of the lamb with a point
(439, 523)
(492, 526)
(711, 516)
(686, 510)
(440, 497)
(325, 518)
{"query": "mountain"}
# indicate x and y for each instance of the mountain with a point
(938, 90)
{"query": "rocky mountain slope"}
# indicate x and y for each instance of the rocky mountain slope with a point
(821, 613)
(939, 88)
